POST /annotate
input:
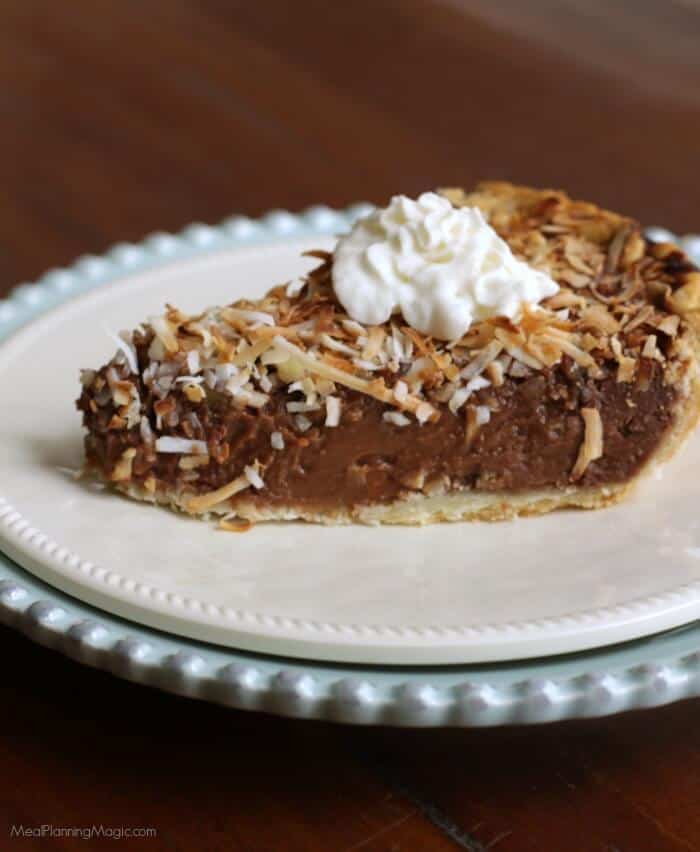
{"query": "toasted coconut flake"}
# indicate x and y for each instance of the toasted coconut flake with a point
(354, 328)
(564, 299)
(274, 356)
(583, 359)
(629, 284)
(483, 415)
(375, 339)
(192, 462)
(235, 525)
(146, 431)
(337, 362)
(471, 427)
(122, 469)
(649, 349)
(516, 351)
(236, 316)
(644, 315)
(617, 244)
(368, 366)
(333, 408)
(589, 342)
(553, 230)
(196, 328)
(156, 351)
(375, 388)
(165, 332)
(235, 382)
(478, 335)
(424, 412)
(127, 349)
(400, 391)
(592, 445)
(451, 372)
(337, 346)
(300, 407)
(495, 373)
(149, 484)
(544, 350)
(576, 280)
(461, 395)
(302, 423)
(265, 332)
(627, 368)
(193, 362)
(458, 398)
(122, 392)
(572, 249)
(444, 392)
(518, 370)
(252, 474)
(396, 418)
(290, 370)
(116, 423)
(598, 318)
(294, 288)
(204, 502)
(669, 325)
(277, 441)
(477, 365)
(249, 356)
(87, 377)
(189, 380)
(253, 398)
(172, 444)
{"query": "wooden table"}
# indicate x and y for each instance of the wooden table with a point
(120, 118)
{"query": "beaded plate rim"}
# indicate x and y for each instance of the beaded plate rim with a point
(53, 618)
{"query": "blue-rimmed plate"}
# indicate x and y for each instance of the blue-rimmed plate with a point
(245, 591)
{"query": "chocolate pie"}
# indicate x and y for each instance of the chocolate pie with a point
(290, 407)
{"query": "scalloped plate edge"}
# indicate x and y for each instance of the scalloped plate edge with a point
(647, 673)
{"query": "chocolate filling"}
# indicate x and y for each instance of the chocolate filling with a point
(530, 442)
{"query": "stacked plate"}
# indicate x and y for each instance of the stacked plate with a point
(570, 614)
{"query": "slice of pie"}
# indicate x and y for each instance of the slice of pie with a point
(290, 407)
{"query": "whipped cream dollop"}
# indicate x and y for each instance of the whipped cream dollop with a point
(442, 267)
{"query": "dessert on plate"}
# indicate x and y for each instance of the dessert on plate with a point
(464, 355)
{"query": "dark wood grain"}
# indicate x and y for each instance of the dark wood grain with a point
(120, 118)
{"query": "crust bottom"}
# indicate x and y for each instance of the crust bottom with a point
(415, 509)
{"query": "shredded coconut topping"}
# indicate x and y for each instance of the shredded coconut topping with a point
(592, 444)
(168, 444)
(333, 406)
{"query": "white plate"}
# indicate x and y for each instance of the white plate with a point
(442, 594)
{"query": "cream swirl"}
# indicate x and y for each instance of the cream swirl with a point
(442, 267)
